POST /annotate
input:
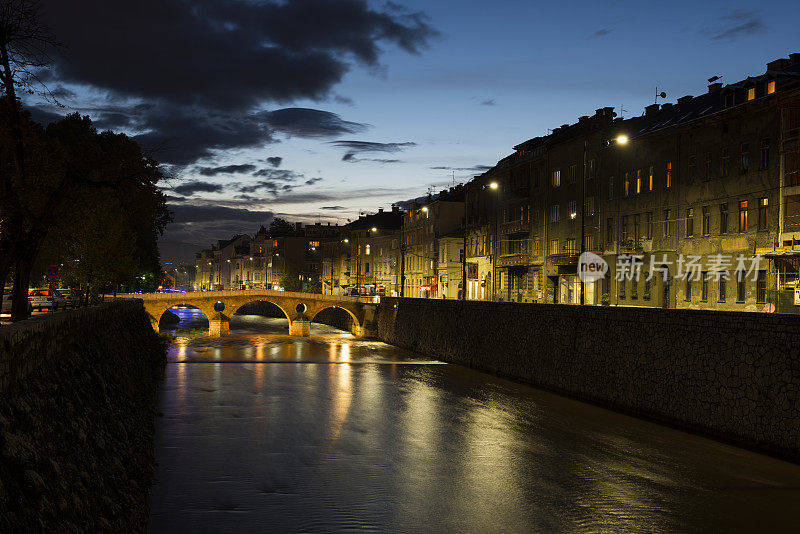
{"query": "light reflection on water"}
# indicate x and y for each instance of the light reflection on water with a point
(267, 433)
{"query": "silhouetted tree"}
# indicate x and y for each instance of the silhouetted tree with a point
(281, 228)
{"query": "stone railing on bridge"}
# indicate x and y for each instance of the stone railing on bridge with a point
(299, 308)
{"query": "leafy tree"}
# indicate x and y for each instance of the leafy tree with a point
(314, 285)
(290, 281)
(281, 228)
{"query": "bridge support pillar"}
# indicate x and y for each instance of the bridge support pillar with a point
(154, 324)
(300, 327)
(218, 325)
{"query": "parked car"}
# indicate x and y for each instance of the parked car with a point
(41, 299)
(5, 307)
(73, 296)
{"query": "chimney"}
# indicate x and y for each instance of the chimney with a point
(715, 87)
(778, 64)
(380, 210)
(652, 108)
(665, 106)
(794, 59)
(583, 119)
(683, 99)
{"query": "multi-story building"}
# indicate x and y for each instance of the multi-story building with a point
(374, 241)
(697, 186)
(423, 226)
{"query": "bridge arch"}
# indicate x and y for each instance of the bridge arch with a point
(356, 326)
(187, 306)
(241, 303)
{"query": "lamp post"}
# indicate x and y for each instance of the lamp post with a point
(493, 186)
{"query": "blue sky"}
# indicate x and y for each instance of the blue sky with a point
(496, 74)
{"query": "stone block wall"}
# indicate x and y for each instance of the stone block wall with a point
(77, 400)
(733, 376)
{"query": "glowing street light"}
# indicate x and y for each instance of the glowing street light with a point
(622, 139)
(494, 185)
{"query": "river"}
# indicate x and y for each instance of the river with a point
(262, 432)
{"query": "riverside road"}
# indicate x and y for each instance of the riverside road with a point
(262, 432)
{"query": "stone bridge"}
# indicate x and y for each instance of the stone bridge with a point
(299, 308)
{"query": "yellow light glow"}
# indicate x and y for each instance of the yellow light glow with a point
(374, 229)
(622, 139)
(424, 208)
(494, 185)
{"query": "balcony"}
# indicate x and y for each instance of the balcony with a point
(518, 258)
(566, 258)
(513, 227)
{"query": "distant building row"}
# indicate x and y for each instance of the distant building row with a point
(706, 178)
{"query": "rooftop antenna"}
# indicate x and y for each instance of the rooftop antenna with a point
(662, 94)
(622, 111)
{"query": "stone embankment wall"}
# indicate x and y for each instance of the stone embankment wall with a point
(77, 399)
(729, 375)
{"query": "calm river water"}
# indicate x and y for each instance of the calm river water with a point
(262, 432)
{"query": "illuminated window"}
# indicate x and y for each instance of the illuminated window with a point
(313, 243)
(763, 209)
(668, 180)
(626, 185)
(751, 93)
(650, 179)
(743, 216)
(638, 181)
(556, 178)
(366, 250)
(770, 87)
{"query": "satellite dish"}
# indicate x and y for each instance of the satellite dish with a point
(662, 94)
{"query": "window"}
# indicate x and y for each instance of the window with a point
(668, 180)
(366, 267)
(570, 246)
(743, 216)
(621, 289)
(741, 286)
(704, 287)
(591, 169)
(634, 289)
(751, 93)
(723, 218)
(770, 87)
(648, 232)
(707, 173)
(724, 162)
(636, 223)
(554, 213)
(650, 179)
(556, 178)
(611, 188)
(745, 163)
(706, 220)
(609, 230)
(572, 208)
(690, 165)
(688, 291)
(761, 287)
(638, 181)
(554, 246)
(763, 208)
(689, 222)
(764, 154)
(573, 174)
(366, 249)
(626, 185)
(646, 295)
(667, 223)
(723, 289)
(624, 228)
(588, 242)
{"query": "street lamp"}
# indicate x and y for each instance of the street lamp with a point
(493, 186)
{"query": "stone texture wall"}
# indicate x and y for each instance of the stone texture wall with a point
(77, 399)
(729, 375)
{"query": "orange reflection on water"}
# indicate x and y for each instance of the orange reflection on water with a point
(342, 398)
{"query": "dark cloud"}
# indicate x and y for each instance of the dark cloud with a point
(305, 122)
(284, 175)
(45, 116)
(191, 188)
(211, 213)
(488, 102)
(312, 181)
(738, 24)
(206, 68)
(275, 161)
(227, 169)
(333, 208)
(602, 32)
(359, 147)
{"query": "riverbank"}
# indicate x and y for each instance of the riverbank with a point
(728, 375)
(76, 420)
